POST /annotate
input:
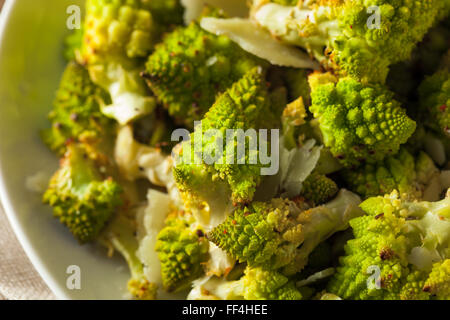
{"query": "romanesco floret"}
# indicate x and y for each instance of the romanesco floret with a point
(182, 249)
(280, 235)
(76, 113)
(395, 245)
(118, 27)
(318, 189)
(438, 282)
(191, 67)
(359, 123)
(118, 34)
(246, 105)
(261, 284)
(82, 198)
(261, 234)
(435, 102)
(257, 283)
(403, 172)
(356, 38)
(120, 235)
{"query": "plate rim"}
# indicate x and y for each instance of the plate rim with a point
(6, 203)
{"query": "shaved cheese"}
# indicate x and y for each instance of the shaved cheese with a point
(150, 222)
(316, 277)
(234, 8)
(259, 42)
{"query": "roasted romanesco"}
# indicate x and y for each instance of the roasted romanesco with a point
(246, 105)
(182, 248)
(213, 143)
(118, 35)
(435, 101)
(76, 113)
(318, 189)
(355, 38)
(402, 240)
(255, 284)
(279, 235)
(191, 67)
(359, 123)
(83, 199)
(403, 172)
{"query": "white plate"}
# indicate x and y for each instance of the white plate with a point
(31, 34)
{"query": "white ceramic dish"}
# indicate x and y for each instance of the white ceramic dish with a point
(31, 34)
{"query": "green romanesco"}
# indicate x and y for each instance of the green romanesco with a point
(182, 249)
(262, 284)
(119, 235)
(76, 113)
(403, 172)
(318, 189)
(435, 102)
(395, 247)
(246, 105)
(191, 67)
(82, 198)
(118, 35)
(357, 38)
(256, 284)
(438, 282)
(359, 123)
(118, 27)
(279, 235)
